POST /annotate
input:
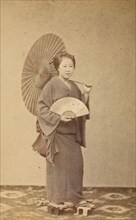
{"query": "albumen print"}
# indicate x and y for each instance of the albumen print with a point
(68, 109)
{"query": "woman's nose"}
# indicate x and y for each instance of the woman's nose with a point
(67, 68)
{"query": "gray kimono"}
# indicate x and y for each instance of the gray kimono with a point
(64, 174)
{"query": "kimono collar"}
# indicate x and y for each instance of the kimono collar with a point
(68, 84)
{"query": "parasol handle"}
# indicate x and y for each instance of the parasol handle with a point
(89, 86)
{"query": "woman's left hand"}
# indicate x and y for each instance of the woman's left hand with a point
(87, 89)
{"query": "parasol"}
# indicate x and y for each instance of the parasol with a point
(38, 68)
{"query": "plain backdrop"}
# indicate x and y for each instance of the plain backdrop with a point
(101, 35)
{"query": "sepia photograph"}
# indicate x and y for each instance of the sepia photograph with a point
(68, 110)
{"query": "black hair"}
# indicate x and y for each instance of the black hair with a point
(58, 58)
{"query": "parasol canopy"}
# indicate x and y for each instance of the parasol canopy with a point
(38, 68)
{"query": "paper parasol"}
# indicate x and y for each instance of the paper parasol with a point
(38, 68)
(69, 105)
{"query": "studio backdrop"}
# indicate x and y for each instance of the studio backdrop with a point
(100, 33)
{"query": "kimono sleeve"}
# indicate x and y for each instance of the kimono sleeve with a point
(48, 120)
(87, 104)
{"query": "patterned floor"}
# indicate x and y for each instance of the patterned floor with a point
(22, 203)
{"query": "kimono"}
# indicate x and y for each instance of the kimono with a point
(64, 169)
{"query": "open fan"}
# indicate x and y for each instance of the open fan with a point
(70, 106)
(38, 68)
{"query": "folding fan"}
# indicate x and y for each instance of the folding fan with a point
(38, 68)
(71, 106)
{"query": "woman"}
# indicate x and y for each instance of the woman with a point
(64, 136)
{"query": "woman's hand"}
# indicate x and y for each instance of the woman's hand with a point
(65, 118)
(87, 89)
(86, 93)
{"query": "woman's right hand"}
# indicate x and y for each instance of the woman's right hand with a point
(67, 116)
(64, 118)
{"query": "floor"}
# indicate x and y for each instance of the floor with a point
(25, 203)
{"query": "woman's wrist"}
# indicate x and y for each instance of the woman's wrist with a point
(86, 92)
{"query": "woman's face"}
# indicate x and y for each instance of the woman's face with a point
(66, 68)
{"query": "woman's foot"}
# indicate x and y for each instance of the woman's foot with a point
(85, 203)
(57, 204)
(43, 203)
(69, 204)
